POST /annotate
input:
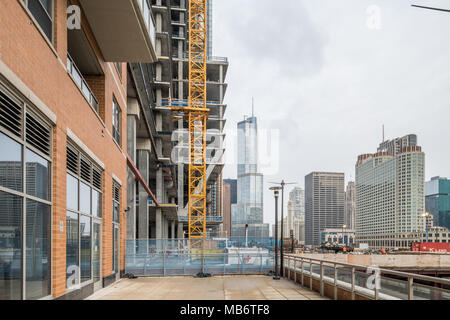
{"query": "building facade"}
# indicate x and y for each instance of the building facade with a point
(350, 205)
(437, 200)
(229, 198)
(249, 207)
(158, 146)
(390, 197)
(63, 167)
(338, 236)
(324, 204)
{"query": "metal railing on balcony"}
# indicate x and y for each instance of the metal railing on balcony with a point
(369, 282)
(182, 103)
(209, 59)
(208, 219)
(145, 9)
(73, 70)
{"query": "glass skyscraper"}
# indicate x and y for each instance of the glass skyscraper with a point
(249, 207)
(437, 200)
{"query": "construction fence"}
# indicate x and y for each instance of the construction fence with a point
(182, 257)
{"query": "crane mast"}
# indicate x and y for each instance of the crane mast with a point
(196, 114)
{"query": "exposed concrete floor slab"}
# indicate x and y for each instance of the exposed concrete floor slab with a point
(214, 288)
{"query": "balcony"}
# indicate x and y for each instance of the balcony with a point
(81, 83)
(124, 29)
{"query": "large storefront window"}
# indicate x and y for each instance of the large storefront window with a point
(25, 201)
(84, 212)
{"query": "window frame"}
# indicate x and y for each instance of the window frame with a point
(116, 225)
(93, 219)
(28, 108)
(117, 131)
(50, 15)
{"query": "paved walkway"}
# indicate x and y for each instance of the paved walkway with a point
(214, 288)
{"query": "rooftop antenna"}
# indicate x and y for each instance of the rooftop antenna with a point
(383, 133)
(253, 107)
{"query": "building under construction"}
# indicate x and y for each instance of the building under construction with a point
(157, 188)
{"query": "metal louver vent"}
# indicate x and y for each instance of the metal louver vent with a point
(116, 192)
(38, 135)
(86, 170)
(10, 114)
(97, 178)
(72, 160)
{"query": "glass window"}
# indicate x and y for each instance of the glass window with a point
(10, 163)
(116, 121)
(96, 251)
(85, 232)
(85, 198)
(42, 11)
(72, 237)
(116, 211)
(37, 175)
(10, 247)
(72, 193)
(38, 244)
(96, 204)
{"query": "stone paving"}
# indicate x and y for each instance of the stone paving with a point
(214, 288)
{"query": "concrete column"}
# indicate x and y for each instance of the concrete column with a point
(180, 234)
(172, 230)
(143, 166)
(131, 184)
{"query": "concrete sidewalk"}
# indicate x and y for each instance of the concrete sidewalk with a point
(215, 288)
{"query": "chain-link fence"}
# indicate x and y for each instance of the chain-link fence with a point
(167, 257)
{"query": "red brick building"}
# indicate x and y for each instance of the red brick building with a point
(63, 117)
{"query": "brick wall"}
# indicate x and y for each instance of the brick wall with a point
(41, 67)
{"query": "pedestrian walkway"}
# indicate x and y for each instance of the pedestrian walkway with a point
(214, 288)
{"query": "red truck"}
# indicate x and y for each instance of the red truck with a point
(430, 247)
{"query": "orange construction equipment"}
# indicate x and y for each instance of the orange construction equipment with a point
(196, 114)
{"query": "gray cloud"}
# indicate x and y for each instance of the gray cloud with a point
(328, 83)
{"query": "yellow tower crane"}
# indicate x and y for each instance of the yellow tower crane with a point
(196, 113)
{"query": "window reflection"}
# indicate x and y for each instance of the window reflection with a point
(37, 175)
(96, 252)
(96, 204)
(72, 237)
(85, 198)
(10, 246)
(72, 193)
(10, 163)
(85, 232)
(37, 250)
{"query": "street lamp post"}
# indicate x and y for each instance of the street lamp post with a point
(343, 236)
(276, 193)
(283, 184)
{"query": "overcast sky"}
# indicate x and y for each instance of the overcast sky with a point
(327, 75)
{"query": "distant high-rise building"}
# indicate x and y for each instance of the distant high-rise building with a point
(324, 204)
(292, 223)
(350, 205)
(390, 198)
(249, 207)
(233, 189)
(297, 196)
(437, 200)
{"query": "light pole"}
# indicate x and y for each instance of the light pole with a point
(343, 236)
(282, 184)
(276, 193)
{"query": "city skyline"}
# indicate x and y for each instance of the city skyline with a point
(340, 81)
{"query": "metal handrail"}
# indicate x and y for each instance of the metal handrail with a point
(71, 69)
(387, 271)
(376, 291)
